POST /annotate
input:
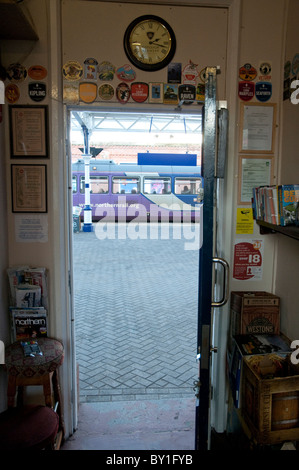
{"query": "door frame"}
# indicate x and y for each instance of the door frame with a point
(68, 109)
(207, 251)
(61, 310)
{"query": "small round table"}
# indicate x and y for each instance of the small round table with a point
(38, 370)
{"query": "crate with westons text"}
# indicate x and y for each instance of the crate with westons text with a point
(251, 312)
(270, 398)
(256, 312)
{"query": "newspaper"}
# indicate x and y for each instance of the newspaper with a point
(18, 276)
(28, 296)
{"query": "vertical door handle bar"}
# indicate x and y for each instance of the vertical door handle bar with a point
(225, 266)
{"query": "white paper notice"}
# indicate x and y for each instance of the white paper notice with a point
(31, 228)
(257, 128)
(255, 172)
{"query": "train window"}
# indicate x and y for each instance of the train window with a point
(125, 185)
(98, 184)
(156, 185)
(74, 184)
(187, 185)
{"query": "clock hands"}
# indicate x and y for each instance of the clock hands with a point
(161, 45)
(151, 42)
(155, 42)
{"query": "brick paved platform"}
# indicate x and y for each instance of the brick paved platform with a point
(136, 315)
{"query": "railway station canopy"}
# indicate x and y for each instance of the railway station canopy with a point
(102, 124)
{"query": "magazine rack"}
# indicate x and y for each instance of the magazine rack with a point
(38, 370)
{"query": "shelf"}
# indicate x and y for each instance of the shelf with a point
(290, 231)
(14, 23)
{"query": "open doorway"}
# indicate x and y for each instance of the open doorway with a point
(136, 288)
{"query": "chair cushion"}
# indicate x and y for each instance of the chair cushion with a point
(30, 427)
(18, 364)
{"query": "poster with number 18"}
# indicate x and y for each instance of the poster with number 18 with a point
(248, 260)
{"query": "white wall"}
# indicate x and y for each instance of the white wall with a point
(287, 267)
(27, 53)
(261, 39)
(53, 253)
(256, 39)
(4, 324)
(96, 29)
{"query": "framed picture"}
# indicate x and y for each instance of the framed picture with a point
(254, 171)
(29, 188)
(257, 128)
(28, 131)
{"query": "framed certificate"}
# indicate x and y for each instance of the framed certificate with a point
(28, 131)
(257, 128)
(254, 171)
(29, 188)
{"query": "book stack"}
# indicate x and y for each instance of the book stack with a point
(28, 302)
(278, 205)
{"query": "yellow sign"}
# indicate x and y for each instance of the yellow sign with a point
(244, 221)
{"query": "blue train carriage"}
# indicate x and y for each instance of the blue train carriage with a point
(123, 192)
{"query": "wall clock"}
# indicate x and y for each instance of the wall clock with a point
(149, 43)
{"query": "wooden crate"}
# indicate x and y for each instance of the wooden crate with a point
(270, 407)
(256, 312)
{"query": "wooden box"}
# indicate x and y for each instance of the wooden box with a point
(270, 406)
(254, 313)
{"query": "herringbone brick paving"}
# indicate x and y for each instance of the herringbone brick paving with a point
(135, 317)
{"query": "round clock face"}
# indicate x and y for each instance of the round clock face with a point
(149, 43)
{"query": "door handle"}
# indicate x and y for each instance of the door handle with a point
(225, 266)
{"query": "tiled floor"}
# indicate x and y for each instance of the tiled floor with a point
(135, 315)
(167, 424)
